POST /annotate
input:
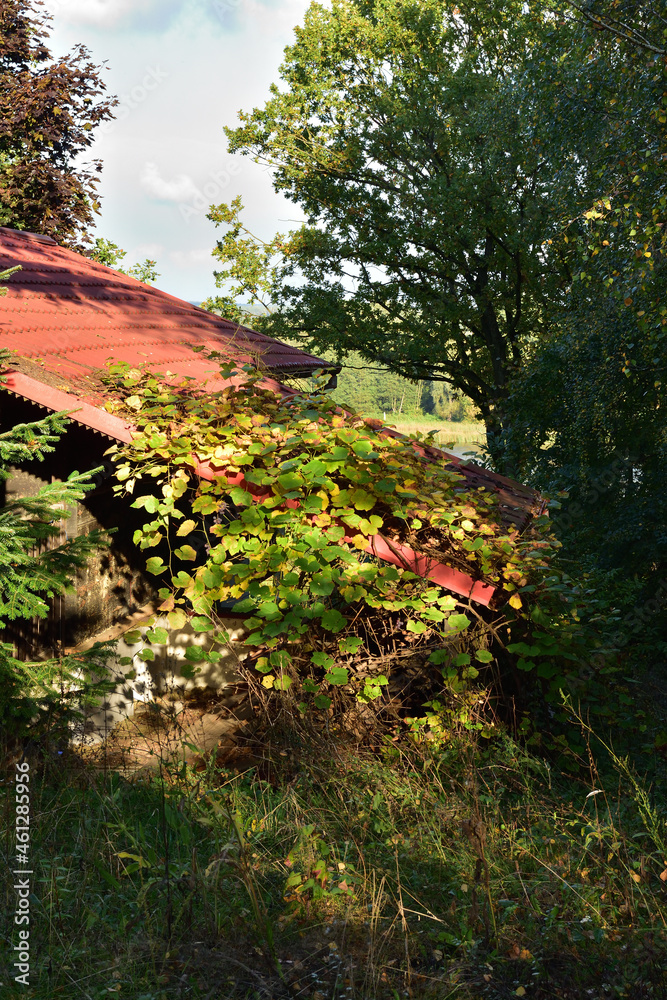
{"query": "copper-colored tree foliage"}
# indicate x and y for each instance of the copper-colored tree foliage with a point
(49, 109)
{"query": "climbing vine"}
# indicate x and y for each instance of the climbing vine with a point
(269, 502)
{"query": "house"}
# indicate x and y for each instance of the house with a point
(65, 316)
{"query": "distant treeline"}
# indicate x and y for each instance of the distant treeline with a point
(374, 391)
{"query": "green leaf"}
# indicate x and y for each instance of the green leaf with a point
(484, 656)
(372, 689)
(149, 503)
(321, 659)
(352, 644)
(155, 565)
(337, 676)
(333, 620)
(269, 609)
(458, 622)
(132, 637)
(417, 627)
(446, 603)
(519, 647)
(186, 553)
(290, 481)
(200, 623)
(146, 654)
(157, 635)
(321, 584)
(244, 607)
(322, 701)
(194, 654)
(240, 497)
(361, 500)
(282, 683)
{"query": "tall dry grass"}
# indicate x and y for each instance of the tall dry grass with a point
(448, 432)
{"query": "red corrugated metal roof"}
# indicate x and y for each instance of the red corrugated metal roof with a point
(70, 314)
(65, 316)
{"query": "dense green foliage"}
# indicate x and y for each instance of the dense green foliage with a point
(375, 391)
(588, 407)
(293, 478)
(460, 171)
(484, 193)
(402, 133)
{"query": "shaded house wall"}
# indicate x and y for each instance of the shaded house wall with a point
(63, 318)
(112, 585)
(112, 593)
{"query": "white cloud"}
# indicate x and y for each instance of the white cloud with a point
(192, 258)
(117, 13)
(230, 16)
(165, 156)
(180, 188)
(147, 251)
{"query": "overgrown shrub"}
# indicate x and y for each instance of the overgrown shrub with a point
(270, 501)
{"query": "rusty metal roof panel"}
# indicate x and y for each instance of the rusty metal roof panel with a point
(62, 306)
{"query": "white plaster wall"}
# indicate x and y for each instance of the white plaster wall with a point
(143, 681)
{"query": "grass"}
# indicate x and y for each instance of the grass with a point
(448, 432)
(322, 870)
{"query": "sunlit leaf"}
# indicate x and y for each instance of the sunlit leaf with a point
(186, 528)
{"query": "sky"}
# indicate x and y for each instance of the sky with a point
(181, 70)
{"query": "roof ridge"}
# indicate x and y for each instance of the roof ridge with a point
(26, 234)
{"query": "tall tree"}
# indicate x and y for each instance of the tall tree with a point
(587, 413)
(49, 109)
(428, 194)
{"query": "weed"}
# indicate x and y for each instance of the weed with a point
(468, 869)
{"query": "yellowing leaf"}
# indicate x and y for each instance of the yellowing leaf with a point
(186, 528)
(663, 876)
(635, 877)
(520, 992)
(515, 601)
(176, 619)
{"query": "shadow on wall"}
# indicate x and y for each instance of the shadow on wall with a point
(143, 681)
